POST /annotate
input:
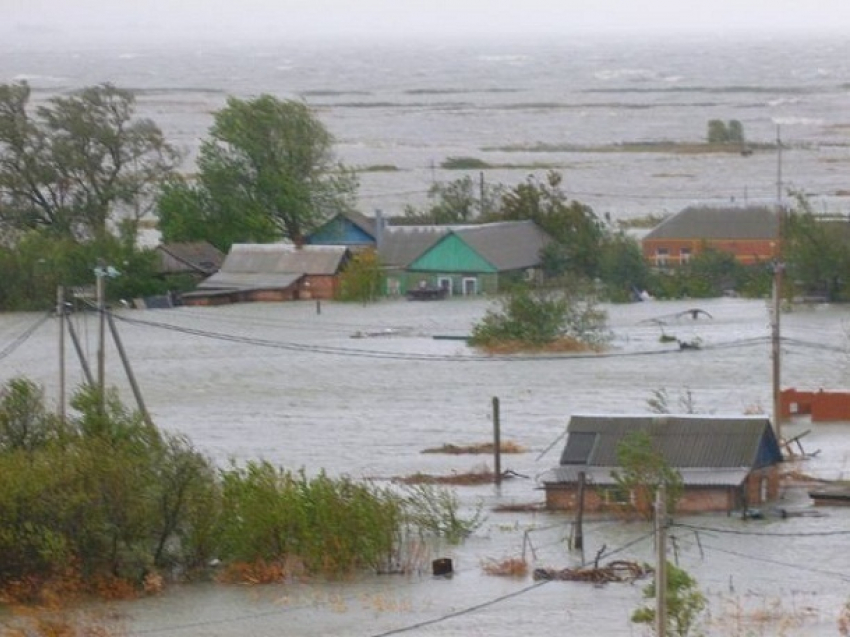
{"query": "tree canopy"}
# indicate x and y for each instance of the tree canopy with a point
(817, 252)
(266, 172)
(81, 166)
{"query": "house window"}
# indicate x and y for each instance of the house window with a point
(393, 287)
(445, 283)
(470, 286)
(661, 257)
(684, 255)
(616, 496)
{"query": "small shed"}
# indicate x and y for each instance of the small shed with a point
(272, 272)
(726, 463)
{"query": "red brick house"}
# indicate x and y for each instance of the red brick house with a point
(749, 233)
(726, 463)
(272, 272)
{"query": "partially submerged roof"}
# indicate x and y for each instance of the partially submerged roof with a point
(704, 449)
(274, 265)
(701, 222)
(198, 257)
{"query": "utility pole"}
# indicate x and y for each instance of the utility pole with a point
(497, 442)
(579, 544)
(661, 561)
(60, 312)
(100, 278)
(778, 266)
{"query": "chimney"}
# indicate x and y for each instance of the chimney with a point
(380, 224)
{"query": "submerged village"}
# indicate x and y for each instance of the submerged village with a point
(98, 501)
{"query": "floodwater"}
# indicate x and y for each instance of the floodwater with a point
(363, 390)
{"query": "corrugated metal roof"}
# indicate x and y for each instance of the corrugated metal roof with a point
(199, 257)
(248, 281)
(508, 245)
(684, 440)
(283, 258)
(752, 222)
(401, 245)
(692, 477)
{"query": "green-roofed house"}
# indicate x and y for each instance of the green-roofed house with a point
(749, 233)
(463, 259)
(727, 463)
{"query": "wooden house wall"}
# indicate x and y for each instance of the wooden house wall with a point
(399, 282)
(451, 254)
(341, 231)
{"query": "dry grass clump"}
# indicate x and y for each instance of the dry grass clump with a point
(520, 507)
(484, 476)
(560, 346)
(510, 567)
(484, 447)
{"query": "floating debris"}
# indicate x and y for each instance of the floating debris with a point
(617, 571)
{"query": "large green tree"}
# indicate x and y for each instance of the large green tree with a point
(455, 202)
(817, 252)
(577, 232)
(81, 165)
(266, 172)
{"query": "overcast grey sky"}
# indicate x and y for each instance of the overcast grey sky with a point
(419, 17)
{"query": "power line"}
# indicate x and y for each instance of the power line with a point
(381, 354)
(709, 529)
(23, 337)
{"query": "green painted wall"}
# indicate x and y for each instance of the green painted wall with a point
(452, 254)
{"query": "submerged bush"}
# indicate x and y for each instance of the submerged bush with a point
(540, 318)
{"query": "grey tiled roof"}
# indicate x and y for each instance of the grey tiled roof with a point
(753, 222)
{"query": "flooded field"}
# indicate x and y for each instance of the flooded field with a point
(363, 390)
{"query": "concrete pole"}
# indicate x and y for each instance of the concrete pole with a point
(661, 561)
